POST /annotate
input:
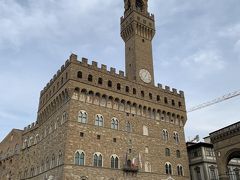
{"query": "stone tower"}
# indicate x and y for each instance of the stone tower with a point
(137, 31)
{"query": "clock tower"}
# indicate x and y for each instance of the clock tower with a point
(137, 31)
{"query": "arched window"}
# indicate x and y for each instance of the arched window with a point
(165, 100)
(79, 158)
(167, 152)
(109, 83)
(99, 120)
(176, 137)
(79, 74)
(127, 89)
(165, 135)
(150, 95)
(118, 86)
(139, 5)
(128, 127)
(114, 123)
(145, 130)
(134, 91)
(173, 102)
(178, 154)
(168, 168)
(82, 116)
(142, 93)
(100, 80)
(90, 78)
(97, 160)
(147, 167)
(158, 98)
(114, 162)
(180, 170)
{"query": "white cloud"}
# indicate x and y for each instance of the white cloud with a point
(203, 63)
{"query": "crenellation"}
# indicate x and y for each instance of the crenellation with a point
(103, 67)
(174, 91)
(167, 88)
(121, 73)
(73, 57)
(84, 61)
(113, 70)
(94, 64)
(181, 93)
(159, 86)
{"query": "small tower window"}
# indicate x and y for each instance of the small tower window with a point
(127, 89)
(100, 80)
(118, 86)
(90, 77)
(142, 93)
(109, 83)
(79, 74)
(134, 91)
(139, 5)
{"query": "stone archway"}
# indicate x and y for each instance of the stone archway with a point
(226, 143)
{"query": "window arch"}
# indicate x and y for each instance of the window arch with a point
(118, 86)
(178, 154)
(114, 123)
(79, 74)
(114, 162)
(100, 81)
(82, 116)
(97, 160)
(148, 167)
(99, 120)
(90, 78)
(80, 158)
(109, 83)
(176, 137)
(179, 170)
(167, 152)
(165, 135)
(168, 168)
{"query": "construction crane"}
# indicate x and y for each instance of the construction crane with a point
(215, 101)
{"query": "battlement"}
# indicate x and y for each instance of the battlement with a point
(103, 69)
(30, 127)
(147, 15)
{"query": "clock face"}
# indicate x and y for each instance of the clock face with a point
(145, 75)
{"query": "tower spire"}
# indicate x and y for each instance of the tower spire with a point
(137, 31)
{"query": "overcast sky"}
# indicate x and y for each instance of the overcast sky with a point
(196, 49)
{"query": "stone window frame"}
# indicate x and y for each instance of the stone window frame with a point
(176, 137)
(115, 123)
(180, 171)
(96, 161)
(99, 120)
(81, 116)
(81, 158)
(147, 167)
(165, 135)
(113, 159)
(168, 168)
(145, 130)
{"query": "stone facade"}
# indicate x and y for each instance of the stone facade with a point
(203, 164)
(94, 123)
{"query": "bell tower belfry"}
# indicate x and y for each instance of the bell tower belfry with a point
(137, 31)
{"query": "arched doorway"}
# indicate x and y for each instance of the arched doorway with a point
(233, 164)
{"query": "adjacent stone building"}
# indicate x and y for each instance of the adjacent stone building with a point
(94, 123)
(203, 164)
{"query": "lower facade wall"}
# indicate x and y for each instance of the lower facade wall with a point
(92, 173)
